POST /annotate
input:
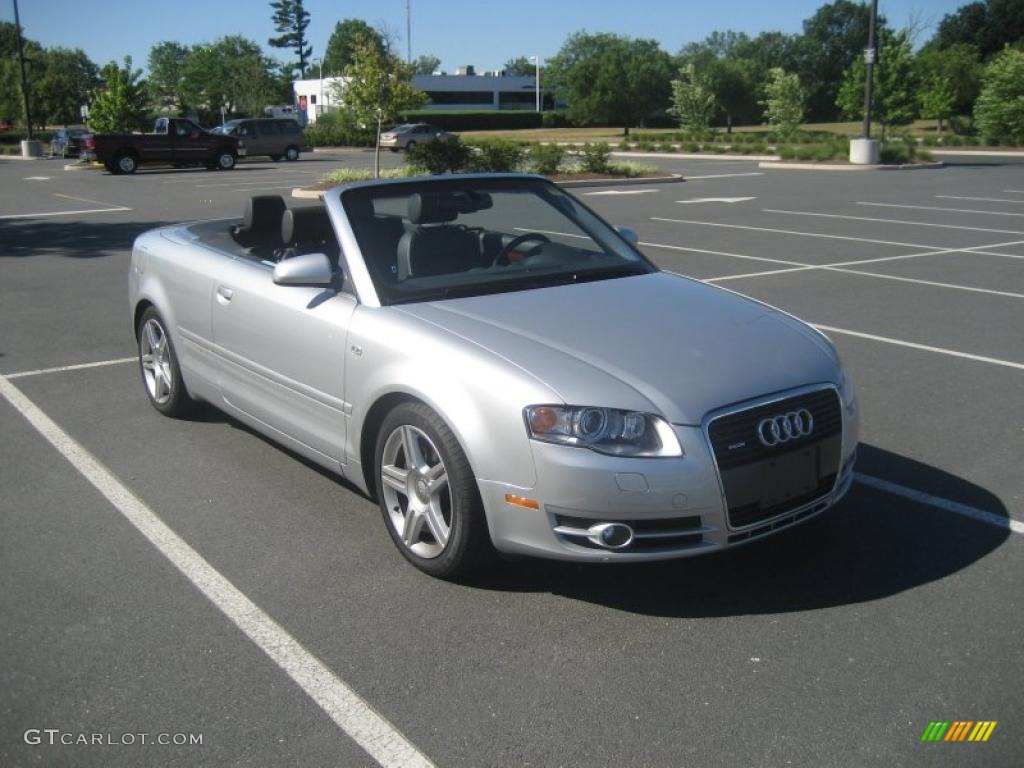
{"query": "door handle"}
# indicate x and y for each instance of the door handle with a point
(224, 294)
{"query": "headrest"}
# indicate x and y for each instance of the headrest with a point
(309, 224)
(263, 212)
(442, 207)
(358, 207)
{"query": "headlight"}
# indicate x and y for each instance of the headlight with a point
(605, 430)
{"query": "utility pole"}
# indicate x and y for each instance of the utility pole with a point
(24, 78)
(870, 57)
(536, 79)
(408, 33)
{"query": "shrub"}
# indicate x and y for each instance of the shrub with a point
(691, 146)
(895, 153)
(341, 128)
(625, 146)
(786, 152)
(631, 170)
(345, 175)
(759, 149)
(436, 157)
(496, 155)
(545, 158)
(554, 119)
(595, 157)
(666, 146)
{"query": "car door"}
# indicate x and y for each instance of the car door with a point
(191, 143)
(253, 133)
(281, 354)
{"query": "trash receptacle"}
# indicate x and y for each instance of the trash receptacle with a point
(31, 148)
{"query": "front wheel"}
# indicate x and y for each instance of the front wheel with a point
(125, 163)
(224, 161)
(158, 364)
(428, 494)
(291, 154)
(275, 158)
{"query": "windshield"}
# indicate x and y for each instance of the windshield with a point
(228, 128)
(438, 239)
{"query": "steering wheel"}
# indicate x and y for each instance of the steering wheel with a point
(502, 257)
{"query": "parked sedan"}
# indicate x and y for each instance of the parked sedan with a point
(500, 369)
(410, 134)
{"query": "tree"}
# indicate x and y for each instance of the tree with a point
(950, 80)
(427, 64)
(988, 26)
(232, 73)
(521, 65)
(376, 87)
(609, 79)
(894, 94)
(833, 39)
(693, 100)
(291, 20)
(343, 41)
(121, 104)
(999, 110)
(166, 75)
(784, 101)
(732, 82)
(66, 84)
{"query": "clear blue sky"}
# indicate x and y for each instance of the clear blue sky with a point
(484, 33)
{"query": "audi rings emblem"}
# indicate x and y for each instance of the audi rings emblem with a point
(779, 429)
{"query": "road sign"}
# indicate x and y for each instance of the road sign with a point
(870, 55)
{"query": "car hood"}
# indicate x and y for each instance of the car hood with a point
(660, 340)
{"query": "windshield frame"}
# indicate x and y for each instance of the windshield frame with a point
(603, 235)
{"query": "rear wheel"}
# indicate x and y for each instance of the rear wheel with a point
(428, 495)
(410, 145)
(291, 154)
(158, 364)
(125, 162)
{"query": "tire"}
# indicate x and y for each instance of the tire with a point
(125, 162)
(159, 368)
(442, 532)
(291, 154)
(224, 161)
(410, 145)
(111, 168)
(275, 158)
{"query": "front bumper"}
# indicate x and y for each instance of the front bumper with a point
(675, 506)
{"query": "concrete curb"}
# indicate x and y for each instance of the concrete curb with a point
(694, 155)
(978, 152)
(83, 167)
(843, 167)
(675, 178)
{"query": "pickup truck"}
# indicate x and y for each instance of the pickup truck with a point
(174, 141)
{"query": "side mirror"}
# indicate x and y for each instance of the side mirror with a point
(629, 234)
(307, 269)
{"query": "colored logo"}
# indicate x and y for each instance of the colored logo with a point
(958, 730)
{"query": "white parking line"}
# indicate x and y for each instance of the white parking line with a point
(62, 368)
(923, 347)
(974, 513)
(276, 178)
(982, 199)
(722, 176)
(370, 730)
(794, 232)
(1015, 191)
(932, 283)
(938, 208)
(893, 221)
(119, 209)
(293, 185)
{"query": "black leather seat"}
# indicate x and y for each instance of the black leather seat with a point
(431, 245)
(261, 223)
(308, 230)
(378, 236)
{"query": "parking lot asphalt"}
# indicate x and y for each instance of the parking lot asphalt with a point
(832, 644)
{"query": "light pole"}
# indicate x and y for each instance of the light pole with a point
(865, 150)
(24, 79)
(536, 79)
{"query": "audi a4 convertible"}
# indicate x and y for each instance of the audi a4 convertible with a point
(500, 369)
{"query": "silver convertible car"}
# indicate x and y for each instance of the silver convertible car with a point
(500, 369)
